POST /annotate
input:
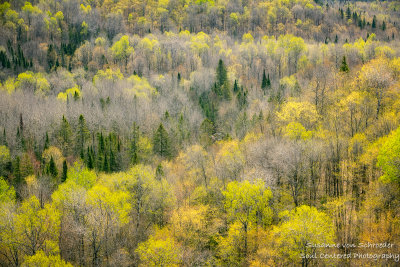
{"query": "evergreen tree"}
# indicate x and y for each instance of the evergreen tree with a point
(82, 134)
(20, 135)
(344, 67)
(134, 144)
(235, 87)
(64, 171)
(17, 174)
(264, 82)
(374, 22)
(4, 139)
(46, 142)
(222, 87)
(336, 39)
(383, 25)
(113, 162)
(20, 141)
(106, 165)
(51, 57)
(65, 136)
(222, 74)
(242, 98)
(52, 168)
(159, 172)
(209, 106)
(162, 145)
(348, 13)
(90, 158)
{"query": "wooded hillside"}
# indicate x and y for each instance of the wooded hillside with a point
(199, 133)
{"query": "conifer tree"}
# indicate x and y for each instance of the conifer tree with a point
(161, 142)
(344, 67)
(134, 144)
(373, 22)
(222, 74)
(82, 134)
(264, 82)
(4, 139)
(52, 168)
(64, 172)
(65, 135)
(235, 87)
(46, 142)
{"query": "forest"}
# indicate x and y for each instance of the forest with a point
(199, 133)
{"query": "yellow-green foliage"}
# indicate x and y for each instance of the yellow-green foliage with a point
(69, 94)
(248, 202)
(200, 42)
(140, 87)
(147, 44)
(56, 154)
(81, 176)
(113, 204)
(30, 81)
(7, 193)
(300, 112)
(389, 158)
(300, 227)
(121, 50)
(31, 10)
(9, 85)
(230, 159)
(86, 9)
(247, 38)
(109, 74)
(159, 250)
(41, 259)
(36, 227)
(4, 154)
(295, 130)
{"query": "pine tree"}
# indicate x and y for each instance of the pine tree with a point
(222, 74)
(264, 82)
(235, 87)
(159, 172)
(90, 157)
(383, 25)
(46, 142)
(134, 144)
(242, 98)
(221, 87)
(106, 165)
(113, 162)
(52, 168)
(64, 172)
(20, 141)
(344, 67)
(65, 135)
(374, 22)
(336, 39)
(4, 139)
(268, 82)
(348, 13)
(82, 134)
(17, 173)
(20, 135)
(161, 142)
(101, 143)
